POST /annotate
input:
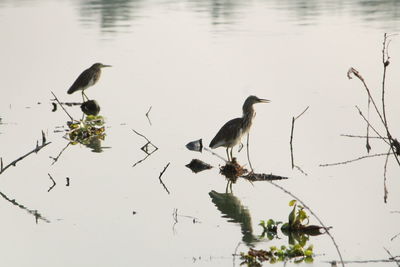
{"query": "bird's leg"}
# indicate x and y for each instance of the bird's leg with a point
(84, 95)
(227, 153)
(231, 153)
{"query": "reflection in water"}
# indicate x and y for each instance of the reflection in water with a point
(231, 208)
(117, 15)
(112, 15)
(35, 213)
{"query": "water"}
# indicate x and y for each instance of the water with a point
(193, 63)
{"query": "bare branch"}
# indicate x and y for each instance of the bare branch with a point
(59, 155)
(352, 160)
(291, 138)
(13, 163)
(55, 97)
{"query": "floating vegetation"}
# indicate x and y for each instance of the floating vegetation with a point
(298, 231)
(296, 252)
(84, 131)
(197, 165)
(195, 145)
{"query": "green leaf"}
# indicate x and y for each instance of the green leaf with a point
(292, 202)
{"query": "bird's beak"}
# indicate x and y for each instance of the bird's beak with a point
(264, 100)
(105, 66)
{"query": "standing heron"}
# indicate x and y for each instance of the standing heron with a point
(232, 132)
(87, 78)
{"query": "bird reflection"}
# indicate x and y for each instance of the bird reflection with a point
(232, 209)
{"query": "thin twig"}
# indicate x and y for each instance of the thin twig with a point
(72, 119)
(291, 135)
(315, 216)
(54, 183)
(35, 213)
(235, 253)
(391, 239)
(215, 154)
(140, 161)
(59, 155)
(141, 135)
(147, 115)
(248, 152)
(391, 256)
(365, 119)
(362, 136)
(13, 163)
(352, 160)
(358, 75)
(159, 178)
(385, 191)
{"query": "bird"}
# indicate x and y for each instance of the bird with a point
(87, 78)
(232, 132)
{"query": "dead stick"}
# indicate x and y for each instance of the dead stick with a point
(248, 152)
(362, 136)
(291, 135)
(385, 191)
(316, 217)
(59, 155)
(365, 119)
(159, 177)
(72, 119)
(13, 163)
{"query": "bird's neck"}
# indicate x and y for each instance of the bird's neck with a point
(248, 115)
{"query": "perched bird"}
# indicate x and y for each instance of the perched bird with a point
(87, 78)
(231, 133)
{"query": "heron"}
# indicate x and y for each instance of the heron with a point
(232, 132)
(88, 78)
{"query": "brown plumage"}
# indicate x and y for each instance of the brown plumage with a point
(87, 78)
(231, 133)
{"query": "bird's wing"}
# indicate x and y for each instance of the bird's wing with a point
(82, 81)
(228, 133)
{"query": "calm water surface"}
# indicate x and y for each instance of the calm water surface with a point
(193, 62)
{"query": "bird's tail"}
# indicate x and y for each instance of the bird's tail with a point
(71, 90)
(213, 143)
